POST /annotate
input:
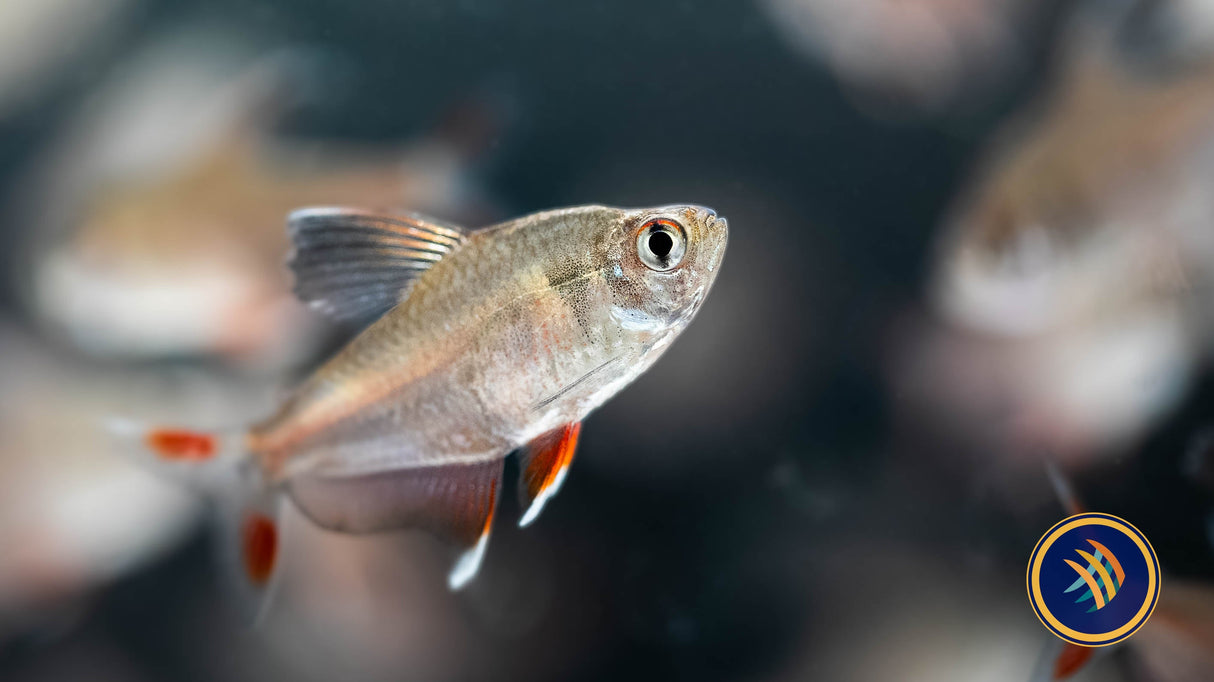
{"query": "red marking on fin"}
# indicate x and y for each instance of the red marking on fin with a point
(551, 452)
(259, 548)
(544, 467)
(178, 444)
(1072, 658)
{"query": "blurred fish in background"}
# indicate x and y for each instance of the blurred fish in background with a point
(969, 235)
(43, 39)
(1072, 294)
(1075, 279)
(164, 204)
(910, 56)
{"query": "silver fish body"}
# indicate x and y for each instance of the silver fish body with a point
(522, 328)
(486, 343)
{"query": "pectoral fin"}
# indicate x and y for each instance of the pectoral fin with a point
(350, 263)
(542, 468)
(455, 502)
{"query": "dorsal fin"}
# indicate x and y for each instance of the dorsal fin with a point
(351, 264)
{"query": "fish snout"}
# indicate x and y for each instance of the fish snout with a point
(713, 224)
(720, 225)
(716, 236)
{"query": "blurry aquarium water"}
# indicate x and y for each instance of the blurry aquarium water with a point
(969, 290)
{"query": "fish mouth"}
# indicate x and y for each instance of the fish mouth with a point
(718, 228)
(721, 225)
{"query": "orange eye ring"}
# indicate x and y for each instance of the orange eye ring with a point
(661, 244)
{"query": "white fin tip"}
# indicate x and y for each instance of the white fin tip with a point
(540, 500)
(119, 426)
(468, 563)
(533, 512)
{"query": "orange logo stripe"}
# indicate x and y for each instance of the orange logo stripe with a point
(1104, 551)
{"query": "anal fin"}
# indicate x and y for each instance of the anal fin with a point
(454, 502)
(542, 468)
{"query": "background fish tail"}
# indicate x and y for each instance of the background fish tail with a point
(248, 511)
(1060, 660)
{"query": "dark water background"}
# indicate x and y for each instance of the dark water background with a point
(689, 538)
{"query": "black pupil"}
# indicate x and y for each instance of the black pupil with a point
(660, 243)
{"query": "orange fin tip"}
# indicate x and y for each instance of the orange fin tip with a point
(259, 548)
(544, 468)
(1071, 660)
(182, 445)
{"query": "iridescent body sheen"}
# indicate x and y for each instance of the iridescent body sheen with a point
(486, 342)
(522, 328)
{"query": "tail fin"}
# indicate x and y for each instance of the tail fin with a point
(248, 509)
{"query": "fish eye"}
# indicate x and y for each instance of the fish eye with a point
(660, 244)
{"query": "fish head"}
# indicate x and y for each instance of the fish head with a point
(662, 263)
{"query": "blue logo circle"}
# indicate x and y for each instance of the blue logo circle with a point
(1093, 579)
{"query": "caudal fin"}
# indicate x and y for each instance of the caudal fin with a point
(248, 511)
